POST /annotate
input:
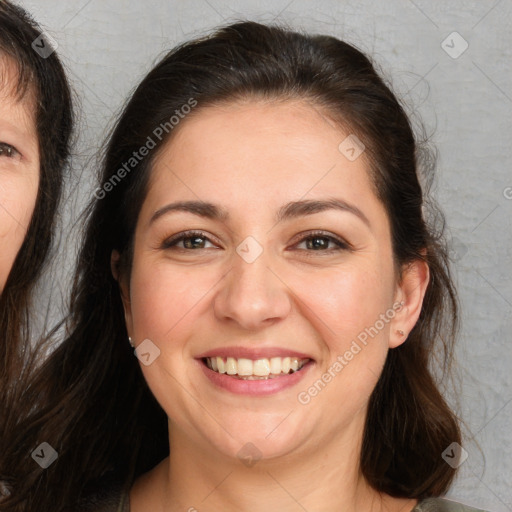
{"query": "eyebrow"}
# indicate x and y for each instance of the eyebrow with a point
(289, 211)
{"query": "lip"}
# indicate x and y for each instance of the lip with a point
(253, 353)
(254, 387)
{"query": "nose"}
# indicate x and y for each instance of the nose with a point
(252, 295)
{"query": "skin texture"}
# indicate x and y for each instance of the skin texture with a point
(19, 167)
(251, 158)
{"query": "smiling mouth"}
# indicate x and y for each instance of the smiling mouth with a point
(259, 369)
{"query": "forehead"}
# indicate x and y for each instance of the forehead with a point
(17, 100)
(13, 87)
(262, 143)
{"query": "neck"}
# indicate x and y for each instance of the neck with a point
(199, 478)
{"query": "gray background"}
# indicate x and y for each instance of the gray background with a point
(465, 102)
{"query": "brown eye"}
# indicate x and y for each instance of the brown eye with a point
(319, 242)
(315, 242)
(191, 240)
(7, 150)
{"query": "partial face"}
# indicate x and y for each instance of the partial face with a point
(270, 287)
(19, 168)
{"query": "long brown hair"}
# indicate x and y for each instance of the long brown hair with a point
(92, 403)
(42, 80)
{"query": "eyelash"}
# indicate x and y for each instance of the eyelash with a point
(11, 150)
(340, 244)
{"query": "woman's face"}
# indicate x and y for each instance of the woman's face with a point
(19, 167)
(259, 289)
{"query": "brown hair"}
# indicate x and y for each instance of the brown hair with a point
(95, 407)
(44, 81)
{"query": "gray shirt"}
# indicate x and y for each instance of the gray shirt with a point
(114, 499)
(427, 505)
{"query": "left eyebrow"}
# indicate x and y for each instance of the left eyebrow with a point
(290, 210)
(308, 207)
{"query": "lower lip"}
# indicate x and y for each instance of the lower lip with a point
(255, 387)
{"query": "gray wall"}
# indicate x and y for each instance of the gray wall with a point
(466, 102)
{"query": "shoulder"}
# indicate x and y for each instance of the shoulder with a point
(443, 505)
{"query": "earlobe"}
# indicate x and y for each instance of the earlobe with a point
(410, 293)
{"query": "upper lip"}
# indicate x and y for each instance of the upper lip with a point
(253, 353)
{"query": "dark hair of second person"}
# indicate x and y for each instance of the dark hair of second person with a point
(36, 122)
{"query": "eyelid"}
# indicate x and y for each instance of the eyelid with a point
(312, 232)
(178, 237)
(5, 145)
(341, 243)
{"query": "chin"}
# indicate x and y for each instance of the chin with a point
(258, 439)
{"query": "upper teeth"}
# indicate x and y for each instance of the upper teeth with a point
(259, 367)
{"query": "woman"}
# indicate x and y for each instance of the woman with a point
(258, 238)
(35, 127)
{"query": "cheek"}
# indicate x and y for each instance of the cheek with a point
(17, 203)
(345, 301)
(347, 308)
(165, 302)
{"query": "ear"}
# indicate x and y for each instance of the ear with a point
(124, 289)
(411, 291)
